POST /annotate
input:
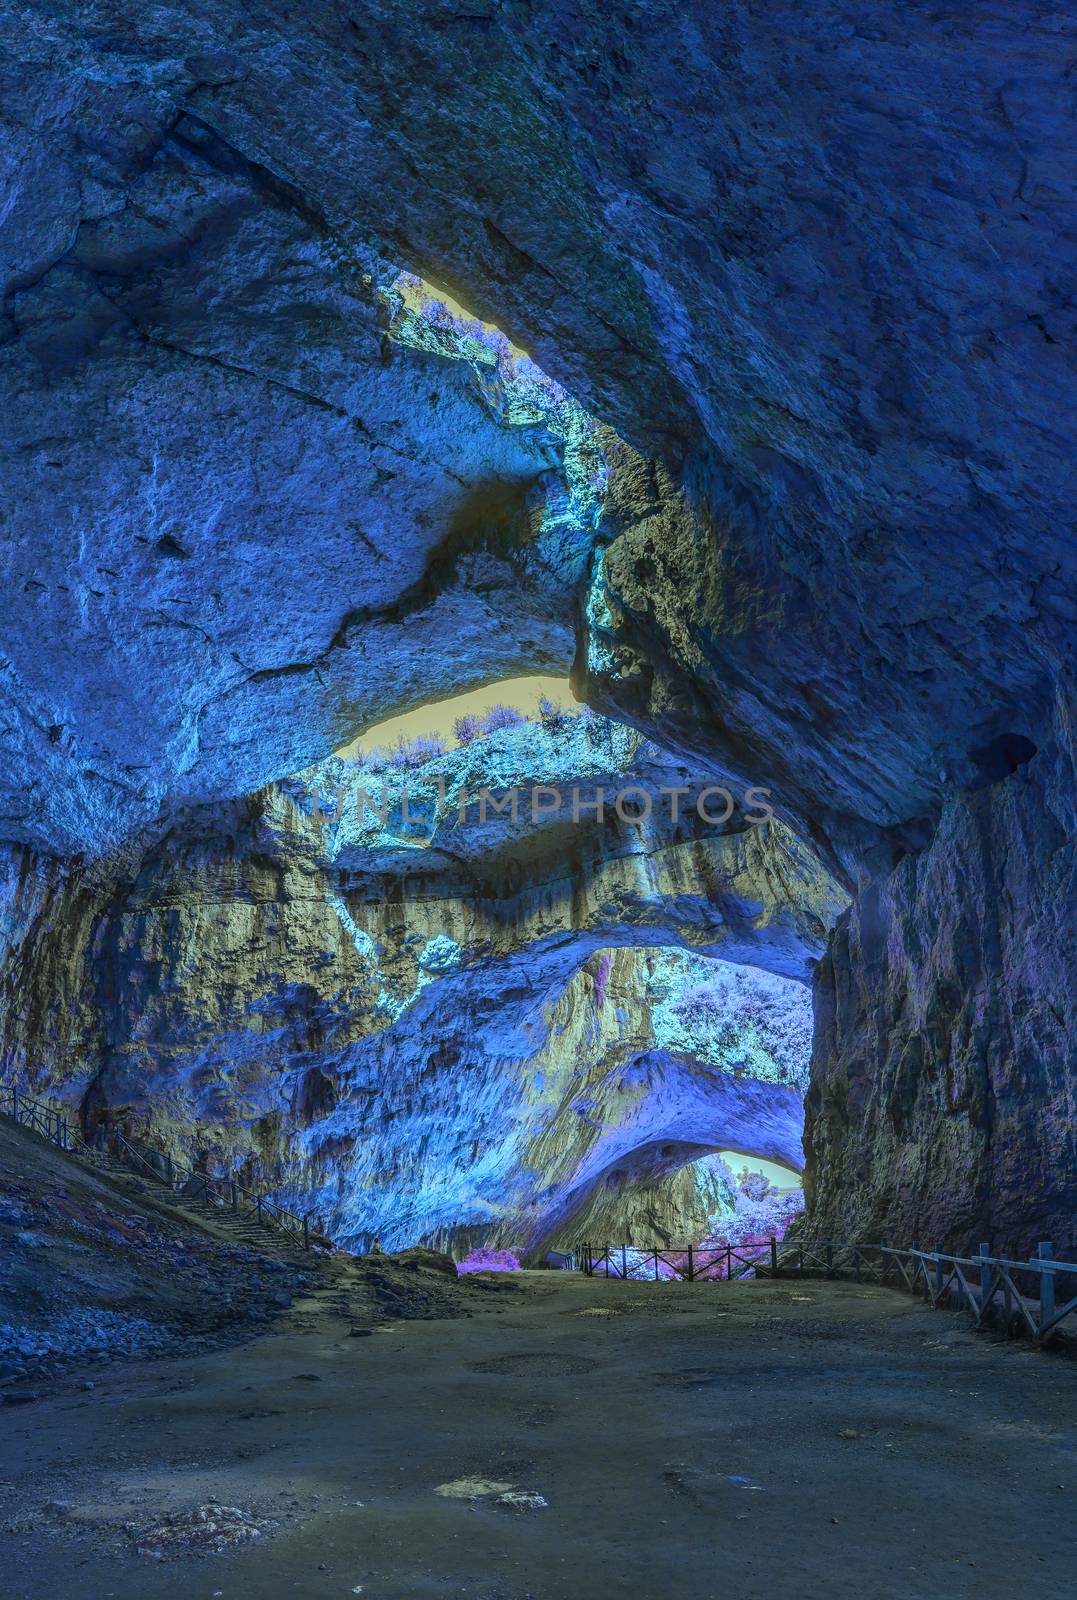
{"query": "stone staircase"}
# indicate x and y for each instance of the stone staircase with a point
(235, 1225)
(220, 1206)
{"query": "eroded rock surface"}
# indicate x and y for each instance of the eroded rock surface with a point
(606, 1083)
(942, 1105)
(449, 1026)
(811, 271)
(842, 308)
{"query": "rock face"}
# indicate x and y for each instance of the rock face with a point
(207, 603)
(946, 1029)
(807, 275)
(497, 1115)
(369, 1013)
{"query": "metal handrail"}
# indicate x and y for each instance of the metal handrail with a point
(53, 1123)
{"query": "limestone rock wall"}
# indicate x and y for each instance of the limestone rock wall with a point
(943, 1104)
(831, 322)
(503, 1108)
(430, 1027)
(52, 1027)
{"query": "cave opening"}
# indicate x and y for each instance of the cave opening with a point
(545, 940)
(462, 718)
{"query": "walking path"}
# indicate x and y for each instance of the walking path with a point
(775, 1440)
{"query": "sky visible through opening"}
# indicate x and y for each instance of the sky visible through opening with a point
(438, 716)
(781, 1177)
(416, 295)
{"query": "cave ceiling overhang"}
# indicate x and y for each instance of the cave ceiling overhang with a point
(836, 564)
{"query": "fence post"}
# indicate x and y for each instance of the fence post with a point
(233, 1195)
(306, 1234)
(258, 1207)
(656, 1264)
(985, 1279)
(66, 1134)
(15, 1101)
(830, 1260)
(774, 1255)
(728, 1262)
(624, 1263)
(800, 1253)
(856, 1262)
(1045, 1250)
(938, 1276)
(690, 1273)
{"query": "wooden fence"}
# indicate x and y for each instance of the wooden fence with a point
(52, 1122)
(1032, 1297)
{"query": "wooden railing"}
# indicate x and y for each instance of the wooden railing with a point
(692, 1263)
(1033, 1297)
(53, 1123)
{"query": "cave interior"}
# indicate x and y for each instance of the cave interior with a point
(537, 663)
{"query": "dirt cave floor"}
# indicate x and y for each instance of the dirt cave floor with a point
(563, 1439)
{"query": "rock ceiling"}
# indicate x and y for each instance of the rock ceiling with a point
(839, 318)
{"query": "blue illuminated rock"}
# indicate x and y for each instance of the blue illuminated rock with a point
(307, 994)
(834, 320)
(503, 1104)
(803, 274)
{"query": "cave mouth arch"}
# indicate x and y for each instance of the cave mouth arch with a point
(674, 1194)
(504, 1094)
(561, 545)
(496, 593)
